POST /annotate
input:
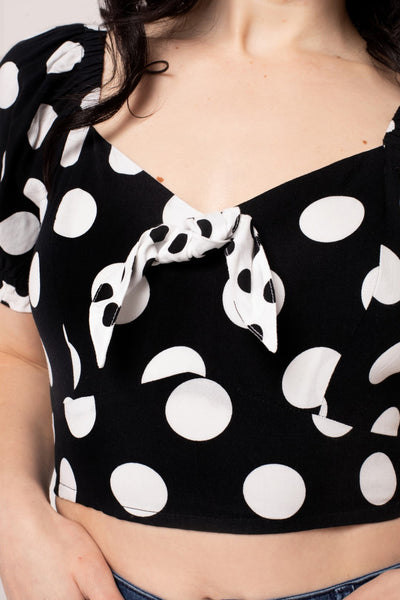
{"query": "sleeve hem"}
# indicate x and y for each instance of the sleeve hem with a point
(9, 297)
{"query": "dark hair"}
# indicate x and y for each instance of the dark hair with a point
(377, 21)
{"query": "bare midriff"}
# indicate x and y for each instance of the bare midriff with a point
(179, 564)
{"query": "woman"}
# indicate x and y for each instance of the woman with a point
(252, 493)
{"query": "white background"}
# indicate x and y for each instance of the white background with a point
(21, 19)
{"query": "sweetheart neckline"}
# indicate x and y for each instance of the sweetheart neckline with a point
(250, 201)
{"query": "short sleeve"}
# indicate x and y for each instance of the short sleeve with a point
(36, 75)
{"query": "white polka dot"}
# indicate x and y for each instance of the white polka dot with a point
(388, 363)
(228, 299)
(76, 361)
(73, 146)
(391, 126)
(387, 288)
(378, 479)
(41, 124)
(139, 489)
(330, 427)
(48, 364)
(36, 191)
(19, 232)
(368, 286)
(388, 422)
(120, 163)
(80, 414)
(198, 409)
(171, 361)
(331, 218)
(135, 301)
(307, 376)
(323, 411)
(76, 213)
(3, 165)
(9, 294)
(67, 483)
(34, 280)
(92, 98)
(274, 491)
(65, 57)
(9, 87)
(176, 211)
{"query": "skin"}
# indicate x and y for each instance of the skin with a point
(294, 75)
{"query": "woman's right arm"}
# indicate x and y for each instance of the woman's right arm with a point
(42, 554)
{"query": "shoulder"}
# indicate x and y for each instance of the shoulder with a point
(66, 58)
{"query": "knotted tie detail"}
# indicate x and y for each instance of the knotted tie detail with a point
(248, 268)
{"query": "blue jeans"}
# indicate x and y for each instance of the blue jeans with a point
(334, 592)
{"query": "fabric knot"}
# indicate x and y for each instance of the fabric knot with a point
(248, 269)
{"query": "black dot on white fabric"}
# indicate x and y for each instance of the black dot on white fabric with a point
(139, 489)
(80, 415)
(65, 57)
(230, 247)
(109, 315)
(148, 263)
(105, 291)
(378, 480)
(269, 295)
(67, 487)
(205, 227)
(257, 329)
(158, 233)
(178, 244)
(244, 280)
(274, 491)
(9, 87)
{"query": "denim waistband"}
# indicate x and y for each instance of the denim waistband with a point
(346, 587)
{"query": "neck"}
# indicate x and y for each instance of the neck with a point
(266, 28)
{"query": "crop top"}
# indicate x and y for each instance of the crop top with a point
(234, 371)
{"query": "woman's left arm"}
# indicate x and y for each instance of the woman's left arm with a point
(385, 586)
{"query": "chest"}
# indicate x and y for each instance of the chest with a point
(216, 135)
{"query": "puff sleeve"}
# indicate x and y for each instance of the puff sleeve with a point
(36, 74)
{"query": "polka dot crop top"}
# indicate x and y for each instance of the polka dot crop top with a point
(235, 371)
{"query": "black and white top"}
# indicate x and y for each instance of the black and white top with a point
(236, 371)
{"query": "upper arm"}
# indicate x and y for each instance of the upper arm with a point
(30, 73)
(19, 336)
